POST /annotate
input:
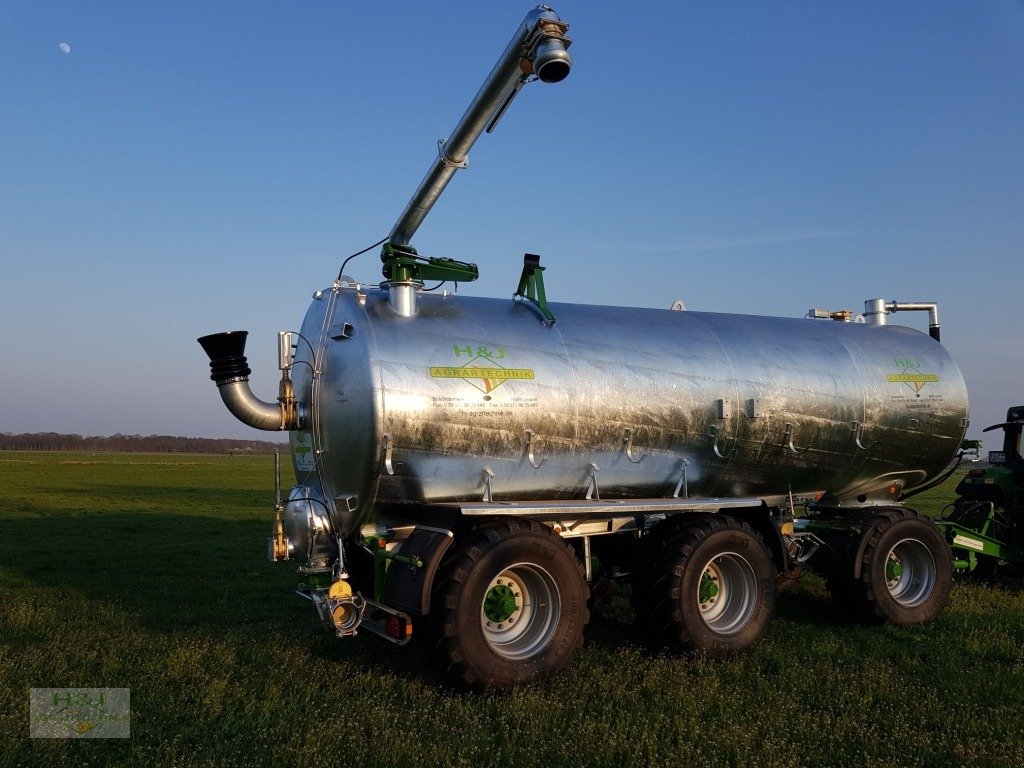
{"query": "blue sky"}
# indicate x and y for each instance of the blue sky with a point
(195, 167)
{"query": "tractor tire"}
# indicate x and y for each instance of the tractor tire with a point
(509, 605)
(712, 591)
(906, 570)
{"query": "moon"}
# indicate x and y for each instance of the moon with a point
(64, 48)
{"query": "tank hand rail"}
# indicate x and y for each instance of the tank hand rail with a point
(627, 446)
(858, 434)
(385, 450)
(528, 450)
(538, 47)
(787, 440)
(714, 434)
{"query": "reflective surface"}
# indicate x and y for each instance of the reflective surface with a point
(477, 391)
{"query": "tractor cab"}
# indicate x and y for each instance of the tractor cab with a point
(1010, 457)
(1004, 478)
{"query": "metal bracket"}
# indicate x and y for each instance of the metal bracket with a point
(447, 161)
(806, 551)
(389, 467)
(403, 265)
(340, 331)
(682, 485)
(488, 474)
(627, 445)
(858, 432)
(787, 439)
(593, 492)
(528, 450)
(531, 287)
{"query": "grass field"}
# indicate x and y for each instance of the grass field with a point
(148, 572)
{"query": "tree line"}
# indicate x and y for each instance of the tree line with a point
(54, 441)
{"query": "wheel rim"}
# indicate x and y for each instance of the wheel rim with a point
(910, 572)
(520, 611)
(727, 593)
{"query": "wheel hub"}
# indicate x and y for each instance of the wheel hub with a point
(893, 570)
(709, 589)
(500, 603)
(727, 593)
(910, 572)
(520, 611)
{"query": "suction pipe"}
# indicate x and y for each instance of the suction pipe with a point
(537, 48)
(230, 370)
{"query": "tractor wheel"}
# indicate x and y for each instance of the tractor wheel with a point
(712, 591)
(509, 605)
(906, 570)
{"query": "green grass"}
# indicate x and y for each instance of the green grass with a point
(148, 572)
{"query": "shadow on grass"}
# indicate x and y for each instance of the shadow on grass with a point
(612, 624)
(189, 573)
(804, 607)
(169, 570)
(184, 572)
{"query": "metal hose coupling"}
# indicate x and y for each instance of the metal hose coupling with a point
(547, 56)
(230, 370)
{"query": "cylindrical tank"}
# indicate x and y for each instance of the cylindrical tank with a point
(477, 396)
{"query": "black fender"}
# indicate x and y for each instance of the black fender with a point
(760, 519)
(407, 587)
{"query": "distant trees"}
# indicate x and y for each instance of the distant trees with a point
(54, 441)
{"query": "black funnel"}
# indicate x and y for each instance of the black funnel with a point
(227, 355)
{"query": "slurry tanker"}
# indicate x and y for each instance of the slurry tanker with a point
(480, 470)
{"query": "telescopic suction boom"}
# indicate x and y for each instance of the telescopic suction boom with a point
(538, 48)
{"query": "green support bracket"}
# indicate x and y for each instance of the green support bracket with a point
(381, 560)
(970, 541)
(531, 287)
(403, 265)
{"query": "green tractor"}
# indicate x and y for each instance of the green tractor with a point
(986, 526)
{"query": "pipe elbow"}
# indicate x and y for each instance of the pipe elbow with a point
(249, 409)
(230, 371)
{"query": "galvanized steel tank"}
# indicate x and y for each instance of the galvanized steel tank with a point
(477, 396)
